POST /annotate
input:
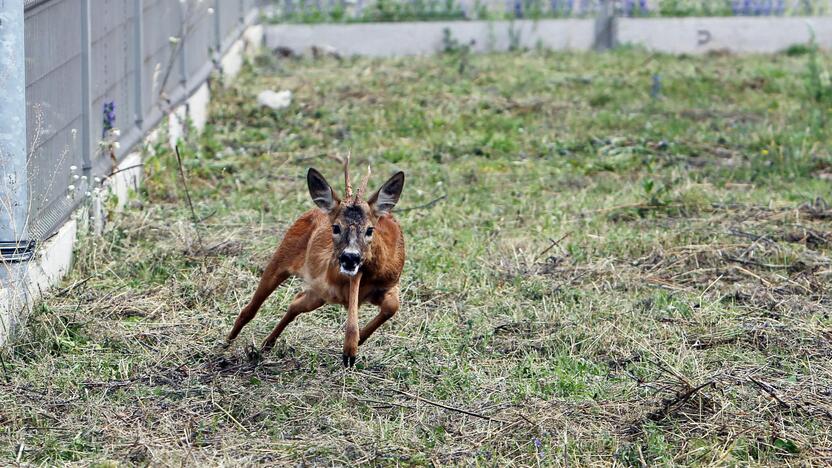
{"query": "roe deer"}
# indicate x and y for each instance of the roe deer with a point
(347, 251)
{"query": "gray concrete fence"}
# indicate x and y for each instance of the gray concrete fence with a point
(671, 35)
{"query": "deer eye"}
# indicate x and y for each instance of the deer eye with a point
(336, 229)
(370, 231)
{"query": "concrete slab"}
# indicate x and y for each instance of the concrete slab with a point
(232, 61)
(52, 261)
(671, 35)
(736, 34)
(198, 107)
(253, 38)
(423, 38)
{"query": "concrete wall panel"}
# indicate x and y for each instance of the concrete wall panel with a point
(423, 38)
(738, 34)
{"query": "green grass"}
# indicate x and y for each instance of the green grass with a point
(594, 276)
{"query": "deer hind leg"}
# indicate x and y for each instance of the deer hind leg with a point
(275, 274)
(387, 308)
(305, 301)
(287, 259)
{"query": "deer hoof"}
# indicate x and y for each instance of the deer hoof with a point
(349, 361)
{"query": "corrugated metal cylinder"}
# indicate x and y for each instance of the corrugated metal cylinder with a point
(14, 187)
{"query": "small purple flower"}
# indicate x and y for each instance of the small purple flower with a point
(109, 121)
(742, 7)
(757, 8)
(779, 7)
(538, 446)
(518, 8)
(656, 86)
(562, 7)
(633, 8)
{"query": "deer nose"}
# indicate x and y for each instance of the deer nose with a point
(349, 260)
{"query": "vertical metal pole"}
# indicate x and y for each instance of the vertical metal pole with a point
(138, 62)
(605, 33)
(86, 89)
(217, 31)
(183, 44)
(14, 187)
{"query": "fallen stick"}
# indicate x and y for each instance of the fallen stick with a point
(429, 204)
(449, 408)
(188, 196)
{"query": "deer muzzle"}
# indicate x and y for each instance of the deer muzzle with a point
(350, 262)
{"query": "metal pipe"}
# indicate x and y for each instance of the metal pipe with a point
(16, 248)
(217, 31)
(605, 26)
(14, 186)
(138, 61)
(86, 89)
(183, 44)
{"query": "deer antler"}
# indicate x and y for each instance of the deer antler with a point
(347, 181)
(363, 187)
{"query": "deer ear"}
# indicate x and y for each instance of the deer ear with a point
(320, 191)
(387, 196)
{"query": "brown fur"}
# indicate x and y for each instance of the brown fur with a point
(308, 251)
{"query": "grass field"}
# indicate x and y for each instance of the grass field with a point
(594, 275)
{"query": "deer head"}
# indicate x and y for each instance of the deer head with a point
(353, 219)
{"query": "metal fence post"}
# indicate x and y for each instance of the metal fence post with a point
(86, 89)
(183, 44)
(14, 187)
(138, 62)
(605, 31)
(217, 31)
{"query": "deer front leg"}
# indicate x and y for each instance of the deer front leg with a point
(387, 308)
(271, 279)
(351, 333)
